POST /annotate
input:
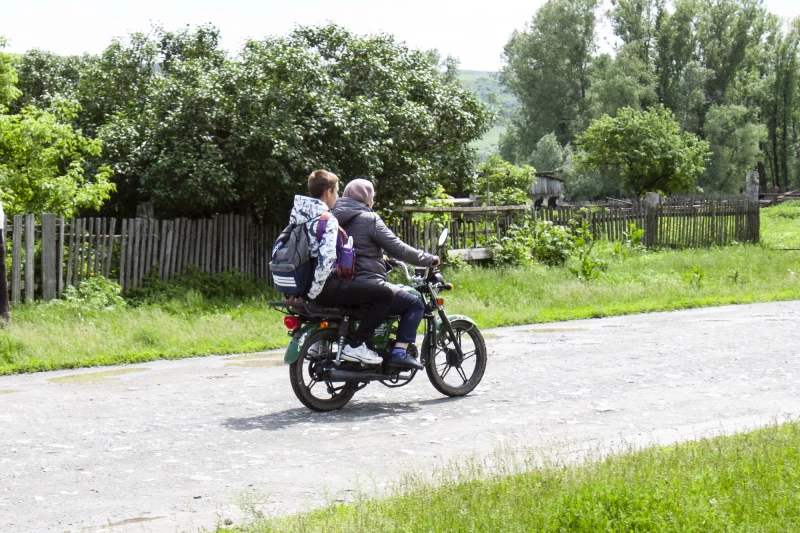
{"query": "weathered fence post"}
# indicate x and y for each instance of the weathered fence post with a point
(30, 232)
(48, 256)
(651, 202)
(5, 310)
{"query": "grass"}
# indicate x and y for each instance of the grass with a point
(228, 314)
(742, 483)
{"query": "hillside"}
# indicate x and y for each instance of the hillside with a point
(485, 84)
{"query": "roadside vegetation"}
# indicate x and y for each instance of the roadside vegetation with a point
(549, 275)
(745, 482)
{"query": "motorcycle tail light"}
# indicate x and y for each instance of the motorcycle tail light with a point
(440, 301)
(291, 322)
(324, 324)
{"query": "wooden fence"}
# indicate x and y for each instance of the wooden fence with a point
(64, 252)
(675, 222)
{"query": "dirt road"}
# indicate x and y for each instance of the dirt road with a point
(173, 445)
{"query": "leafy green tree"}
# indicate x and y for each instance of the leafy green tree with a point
(45, 77)
(735, 139)
(42, 158)
(42, 163)
(8, 77)
(550, 156)
(506, 183)
(205, 133)
(648, 148)
(548, 70)
(619, 82)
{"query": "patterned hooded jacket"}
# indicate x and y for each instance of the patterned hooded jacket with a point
(305, 209)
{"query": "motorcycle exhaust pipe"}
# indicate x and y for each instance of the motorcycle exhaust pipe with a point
(338, 375)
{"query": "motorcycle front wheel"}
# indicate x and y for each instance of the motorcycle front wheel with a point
(451, 374)
(305, 374)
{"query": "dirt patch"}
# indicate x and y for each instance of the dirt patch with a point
(96, 377)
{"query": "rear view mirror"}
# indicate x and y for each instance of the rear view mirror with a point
(443, 237)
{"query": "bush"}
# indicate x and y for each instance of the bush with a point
(552, 245)
(93, 293)
(542, 242)
(515, 248)
(194, 286)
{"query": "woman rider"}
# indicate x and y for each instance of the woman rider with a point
(371, 239)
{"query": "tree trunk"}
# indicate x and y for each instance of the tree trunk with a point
(762, 176)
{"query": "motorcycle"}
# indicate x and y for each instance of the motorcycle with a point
(453, 351)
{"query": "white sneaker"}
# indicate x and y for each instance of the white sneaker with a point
(362, 354)
(318, 350)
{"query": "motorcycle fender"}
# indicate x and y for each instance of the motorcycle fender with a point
(438, 322)
(293, 350)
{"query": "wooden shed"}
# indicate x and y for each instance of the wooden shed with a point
(547, 190)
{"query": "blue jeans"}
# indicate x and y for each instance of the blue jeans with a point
(410, 308)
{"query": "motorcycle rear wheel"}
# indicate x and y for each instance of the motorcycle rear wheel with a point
(314, 393)
(445, 363)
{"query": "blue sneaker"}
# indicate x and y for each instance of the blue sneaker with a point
(401, 359)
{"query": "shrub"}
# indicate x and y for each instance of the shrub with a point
(93, 293)
(552, 245)
(194, 285)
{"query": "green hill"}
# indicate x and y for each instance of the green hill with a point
(485, 84)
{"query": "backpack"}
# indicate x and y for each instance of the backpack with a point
(292, 266)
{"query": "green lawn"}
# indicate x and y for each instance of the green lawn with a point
(741, 483)
(186, 321)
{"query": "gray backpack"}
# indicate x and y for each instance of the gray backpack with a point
(292, 266)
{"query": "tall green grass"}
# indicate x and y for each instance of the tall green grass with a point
(203, 315)
(742, 483)
(638, 282)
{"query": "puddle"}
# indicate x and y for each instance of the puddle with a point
(259, 355)
(122, 523)
(552, 330)
(96, 377)
(258, 362)
(8, 391)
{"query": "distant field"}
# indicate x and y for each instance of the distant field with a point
(485, 84)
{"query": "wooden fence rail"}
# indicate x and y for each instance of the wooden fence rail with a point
(48, 256)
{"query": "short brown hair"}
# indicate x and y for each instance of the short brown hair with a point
(320, 181)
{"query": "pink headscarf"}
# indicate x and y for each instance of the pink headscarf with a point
(361, 190)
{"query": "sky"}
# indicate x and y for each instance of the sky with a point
(475, 35)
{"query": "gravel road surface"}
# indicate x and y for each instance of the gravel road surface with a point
(171, 446)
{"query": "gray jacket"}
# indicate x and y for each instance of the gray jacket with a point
(371, 238)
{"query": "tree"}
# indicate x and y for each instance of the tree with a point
(45, 77)
(42, 157)
(549, 63)
(648, 148)
(204, 133)
(507, 184)
(622, 81)
(8, 77)
(42, 163)
(734, 138)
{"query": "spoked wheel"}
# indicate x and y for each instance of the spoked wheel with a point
(450, 374)
(305, 374)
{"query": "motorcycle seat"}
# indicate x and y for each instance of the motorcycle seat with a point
(317, 309)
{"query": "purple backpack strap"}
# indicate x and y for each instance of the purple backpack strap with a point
(323, 223)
